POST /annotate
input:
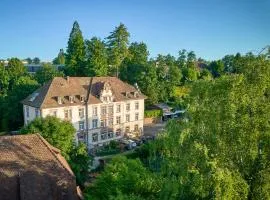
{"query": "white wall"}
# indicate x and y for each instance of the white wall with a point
(29, 113)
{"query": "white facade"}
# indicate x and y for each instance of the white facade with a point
(131, 115)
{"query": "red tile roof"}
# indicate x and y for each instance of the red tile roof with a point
(79, 86)
(30, 168)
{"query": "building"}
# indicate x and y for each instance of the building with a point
(30, 168)
(100, 108)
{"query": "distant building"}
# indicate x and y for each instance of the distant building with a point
(100, 108)
(30, 169)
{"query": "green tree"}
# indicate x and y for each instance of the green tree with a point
(206, 75)
(117, 45)
(28, 60)
(58, 133)
(11, 107)
(75, 54)
(97, 60)
(60, 59)
(124, 176)
(4, 80)
(217, 68)
(46, 73)
(133, 66)
(16, 69)
(79, 161)
(36, 60)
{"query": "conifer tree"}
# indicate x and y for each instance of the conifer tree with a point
(75, 55)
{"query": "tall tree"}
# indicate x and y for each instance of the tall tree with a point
(12, 108)
(134, 65)
(60, 59)
(216, 68)
(16, 69)
(46, 73)
(96, 58)
(117, 44)
(75, 54)
(4, 80)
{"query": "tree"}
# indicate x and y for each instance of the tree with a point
(4, 80)
(96, 55)
(12, 108)
(46, 73)
(16, 69)
(36, 60)
(58, 133)
(182, 58)
(125, 177)
(79, 161)
(60, 59)
(28, 60)
(217, 68)
(75, 54)
(133, 66)
(206, 75)
(117, 45)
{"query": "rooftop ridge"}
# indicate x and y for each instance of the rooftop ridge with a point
(49, 147)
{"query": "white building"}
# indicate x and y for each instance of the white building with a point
(100, 108)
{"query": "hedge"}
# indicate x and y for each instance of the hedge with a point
(153, 113)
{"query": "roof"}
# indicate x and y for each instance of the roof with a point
(30, 168)
(79, 86)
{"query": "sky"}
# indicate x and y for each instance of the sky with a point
(211, 28)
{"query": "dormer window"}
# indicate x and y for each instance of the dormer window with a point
(82, 98)
(105, 99)
(136, 94)
(71, 99)
(59, 100)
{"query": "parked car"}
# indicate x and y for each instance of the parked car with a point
(129, 144)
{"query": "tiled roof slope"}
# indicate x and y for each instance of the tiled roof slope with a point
(79, 86)
(30, 168)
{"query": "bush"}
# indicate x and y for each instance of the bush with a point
(153, 113)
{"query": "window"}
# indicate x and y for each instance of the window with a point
(103, 110)
(27, 111)
(68, 114)
(128, 107)
(59, 100)
(81, 125)
(118, 120)
(103, 136)
(95, 111)
(110, 109)
(136, 116)
(118, 108)
(103, 123)
(136, 127)
(127, 118)
(94, 123)
(110, 134)
(81, 112)
(118, 132)
(71, 99)
(104, 98)
(110, 121)
(137, 106)
(82, 98)
(36, 112)
(54, 113)
(94, 137)
(127, 129)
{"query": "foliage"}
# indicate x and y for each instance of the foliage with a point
(4, 80)
(11, 107)
(60, 59)
(96, 55)
(57, 132)
(127, 177)
(153, 113)
(79, 161)
(117, 45)
(46, 73)
(217, 68)
(36, 60)
(75, 54)
(16, 69)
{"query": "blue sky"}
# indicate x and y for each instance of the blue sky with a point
(211, 28)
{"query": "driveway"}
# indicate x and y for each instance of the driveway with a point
(153, 129)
